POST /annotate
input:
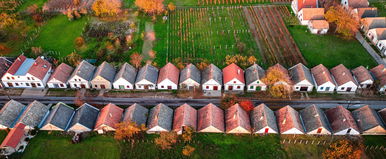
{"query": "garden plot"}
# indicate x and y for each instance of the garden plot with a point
(209, 33)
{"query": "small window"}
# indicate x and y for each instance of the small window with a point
(33, 78)
(341, 88)
(250, 87)
(8, 78)
(38, 84)
(162, 86)
(238, 87)
(234, 81)
(297, 87)
(61, 85)
(95, 86)
(13, 78)
(321, 88)
(127, 86)
(27, 84)
(257, 82)
(28, 78)
(207, 87)
(17, 84)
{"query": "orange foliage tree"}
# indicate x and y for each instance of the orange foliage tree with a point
(136, 59)
(128, 130)
(150, 6)
(343, 149)
(203, 64)
(228, 101)
(188, 150)
(106, 7)
(247, 105)
(171, 6)
(187, 134)
(242, 61)
(280, 91)
(79, 42)
(74, 59)
(166, 140)
(273, 78)
(346, 24)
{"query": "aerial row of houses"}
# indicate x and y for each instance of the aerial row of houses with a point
(29, 73)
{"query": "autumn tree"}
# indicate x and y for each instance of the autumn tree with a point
(228, 101)
(74, 58)
(251, 60)
(7, 20)
(280, 91)
(136, 60)
(79, 42)
(171, 6)
(187, 134)
(76, 2)
(106, 7)
(247, 105)
(178, 62)
(128, 130)
(343, 149)
(242, 61)
(275, 79)
(151, 7)
(37, 50)
(345, 23)
(203, 64)
(188, 150)
(166, 140)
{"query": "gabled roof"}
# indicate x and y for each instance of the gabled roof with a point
(288, 118)
(190, 72)
(231, 72)
(236, 116)
(340, 119)
(169, 71)
(306, 4)
(313, 13)
(380, 73)
(366, 12)
(342, 75)
(62, 73)
(14, 137)
(374, 22)
(33, 114)
(85, 115)
(380, 32)
(106, 71)
(40, 68)
(319, 24)
(261, 117)
(17, 64)
(382, 114)
(184, 115)
(136, 113)
(367, 118)
(60, 116)
(362, 74)
(358, 3)
(110, 115)
(299, 73)
(127, 72)
(313, 118)
(210, 115)
(4, 65)
(211, 72)
(147, 72)
(254, 73)
(84, 70)
(10, 112)
(162, 116)
(321, 74)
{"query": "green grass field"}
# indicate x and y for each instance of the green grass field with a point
(59, 34)
(329, 49)
(28, 3)
(381, 6)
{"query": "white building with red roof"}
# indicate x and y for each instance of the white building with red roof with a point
(298, 5)
(168, 77)
(60, 76)
(233, 77)
(345, 82)
(288, 121)
(324, 82)
(307, 14)
(237, 120)
(27, 73)
(318, 26)
(108, 117)
(14, 141)
(184, 116)
(210, 119)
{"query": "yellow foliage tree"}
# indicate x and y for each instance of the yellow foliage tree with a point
(188, 150)
(150, 6)
(106, 7)
(343, 149)
(128, 130)
(273, 78)
(171, 6)
(74, 58)
(346, 24)
(7, 20)
(166, 140)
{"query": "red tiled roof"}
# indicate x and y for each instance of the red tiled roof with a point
(169, 71)
(364, 12)
(340, 119)
(14, 136)
(288, 118)
(306, 4)
(40, 68)
(109, 115)
(233, 71)
(313, 13)
(361, 74)
(319, 24)
(236, 116)
(62, 73)
(342, 75)
(16, 64)
(382, 113)
(379, 71)
(321, 74)
(184, 115)
(210, 115)
(358, 3)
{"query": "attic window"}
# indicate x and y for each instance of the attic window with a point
(283, 123)
(261, 118)
(344, 120)
(44, 66)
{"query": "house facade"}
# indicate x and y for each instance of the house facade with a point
(211, 78)
(372, 22)
(60, 76)
(363, 77)
(14, 141)
(125, 78)
(301, 78)
(160, 119)
(4, 66)
(345, 82)
(318, 26)
(190, 77)
(59, 118)
(84, 119)
(253, 78)
(233, 77)
(263, 120)
(315, 121)
(168, 77)
(341, 121)
(103, 76)
(184, 116)
(379, 72)
(298, 5)
(210, 119)
(237, 120)
(324, 82)
(82, 75)
(307, 14)
(288, 121)
(376, 34)
(108, 118)
(369, 121)
(27, 73)
(147, 78)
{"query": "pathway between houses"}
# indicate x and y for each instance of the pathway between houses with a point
(148, 41)
(369, 49)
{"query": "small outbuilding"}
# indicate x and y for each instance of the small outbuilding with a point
(190, 77)
(345, 82)
(84, 119)
(104, 76)
(288, 121)
(82, 75)
(318, 26)
(59, 118)
(237, 120)
(168, 77)
(302, 78)
(253, 78)
(379, 72)
(324, 82)
(14, 141)
(211, 78)
(160, 119)
(125, 78)
(210, 119)
(341, 121)
(315, 121)
(233, 77)
(263, 120)
(109, 116)
(34, 114)
(369, 121)
(147, 78)
(136, 113)
(60, 76)
(184, 116)
(363, 77)
(9, 113)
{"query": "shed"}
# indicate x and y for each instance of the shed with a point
(341, 121)
(253, 78)
(369, 121)
(184, 116)
(84, 118)
(168, 77)
(109, 116)
(160, 119)
(289, 121)
(315, 121)
(190, 77)
(125, 78)
(210, 119)
(137, 114)
(211, 78)
(104, 76)
(263, 120)
(302, 78)
(34, 114)
(237, 120)
(147, 78)
(59, 118)
(9, 113)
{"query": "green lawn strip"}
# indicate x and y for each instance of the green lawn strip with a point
(27, 3)
(3, 134)
(329, 49)
(381, 6)
(59, 146)
(59, 35)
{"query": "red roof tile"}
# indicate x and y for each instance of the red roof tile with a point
(321, 74)
(288, 118)
(306, 4)
(169, 71)
(319, 24)
(231, 72)
(110, 115)
(184, 115)
(40, 68)
(340, 119)
(342, 75)
(16, 64)
(358, 3)
(14, 136)
(313, 13)
(210, 115)
(62, 73)
(362, 74)
(236, 116)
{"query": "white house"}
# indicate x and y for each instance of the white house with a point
(315, 121)
(190, 77)
(288, 121)
(84, 119)
(360, 13)
(160, 119)
(168, 77)
(147, 78)
(318, 26)
(381, 45)
(263, 120)
(372, 22)
(233, 77)
(363, 77)
(82, 75)
(307, 14)
(379, 72)
(253, 78)
(27, 73)
(125, 78)
(341, 121)
(345, 82)
(302, 78)
(60, 76)
(103, 76)
(376, 34)
(211, 78)
(4, 66)
(298, 5)
(323, 79)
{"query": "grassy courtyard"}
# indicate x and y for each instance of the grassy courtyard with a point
(329, 49)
